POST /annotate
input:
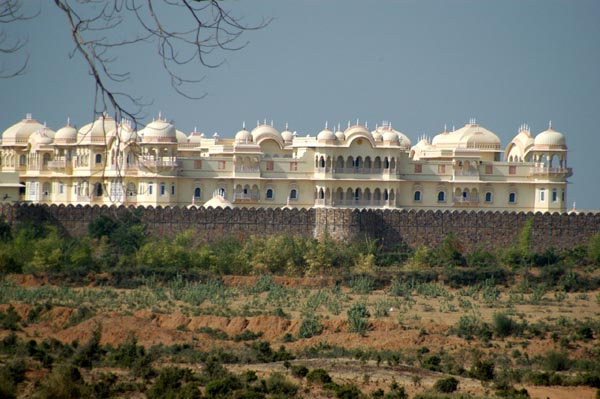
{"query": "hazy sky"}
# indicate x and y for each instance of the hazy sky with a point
(419, 64)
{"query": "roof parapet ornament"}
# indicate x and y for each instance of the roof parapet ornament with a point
(472, 121)
(550, 125)
(28, 116)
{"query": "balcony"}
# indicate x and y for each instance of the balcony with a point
(360, 171)
(247, 170)
(465, 201)
(354, 203)
(241, 198)
(551, 172)
(159, 164)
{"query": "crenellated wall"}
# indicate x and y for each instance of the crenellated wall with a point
(392, 227)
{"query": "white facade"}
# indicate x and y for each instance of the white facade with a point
(105, 162)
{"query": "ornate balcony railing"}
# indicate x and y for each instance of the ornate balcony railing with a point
(544, 171)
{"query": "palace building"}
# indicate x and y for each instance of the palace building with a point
(105, 163)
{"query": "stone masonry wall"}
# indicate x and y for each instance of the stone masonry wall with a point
(392, 227)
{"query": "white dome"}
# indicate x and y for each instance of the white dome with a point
(287, 136)
(326, 135)
(218, 201)
(182, 138)
(41, 137)
(550, 137)
(340, 135)
(97, 132)
(376, 135)
(196, 137)
(159, 131)
(264, 131)
(243, 137)
(18, 134)
(65, 135)
(390, 137)
(468, 136)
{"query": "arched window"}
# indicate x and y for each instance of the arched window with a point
(98, 158)
(322, 162)
(163, 189)
(554, 195)
(488, 197)
(442, 196)
(98, 190)
(321, 194)
(150, 188)
(293, 194)
(512, 198)
(543, 195)
(172, 189)
(22, 160)
(417, 196)
(269, 194)
(197, 192)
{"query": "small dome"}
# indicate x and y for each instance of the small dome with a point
(471, 135)
(40, 137)
(196, 137)
(243, 137)
(340, 135)
(66, 135)
(18, 134)
(218, 201)
(390, 137)
(263, 131)
(287, 136)
(550, 137)
(182, 138)
(159, 131)
(326, 135)
(97, 132)
(376, 135)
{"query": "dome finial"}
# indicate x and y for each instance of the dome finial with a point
(244, 125)
(68, 121)
(550, 125)
(326, 122)
(286, 126)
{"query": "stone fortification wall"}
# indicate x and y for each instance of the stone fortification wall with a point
(167, 222)
(392, 227)
(473, 229)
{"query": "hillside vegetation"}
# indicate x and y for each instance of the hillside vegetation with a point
(114, 314)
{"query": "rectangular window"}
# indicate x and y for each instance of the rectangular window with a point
(163, 189)
(172, 189)
(542, 195)
(418, 168)
(489, 169)
(197, 164)
(222, 165)
(562, 195)
(512, 170)
(61, 188)
(150, 188)
(554, 195)
(441, 169)
(293, 166)
(270, 165)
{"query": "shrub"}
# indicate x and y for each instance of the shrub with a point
(247, 335)
(310, 327)
(446, 385)
(278, 384)
(10, 320)
(593, 249)
(357, 318)
(222, 388)
(504, 326)
(318, 376)
(64, 382)
(174, 382)
(299, 370)
(557, 361)
(483, 370)
(348, 392)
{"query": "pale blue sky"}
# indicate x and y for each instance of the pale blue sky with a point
(419, 64)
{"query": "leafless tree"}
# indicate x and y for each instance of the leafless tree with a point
(184, 32)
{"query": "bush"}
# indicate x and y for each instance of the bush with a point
(446, 385)
(222, 388)
(557, 361)
(310, 327)
(318, 376)
(357, 318)
(483, 370)
(278, 384)
(348, 392)
(504, 326)
(174, 382)
(299, 370)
